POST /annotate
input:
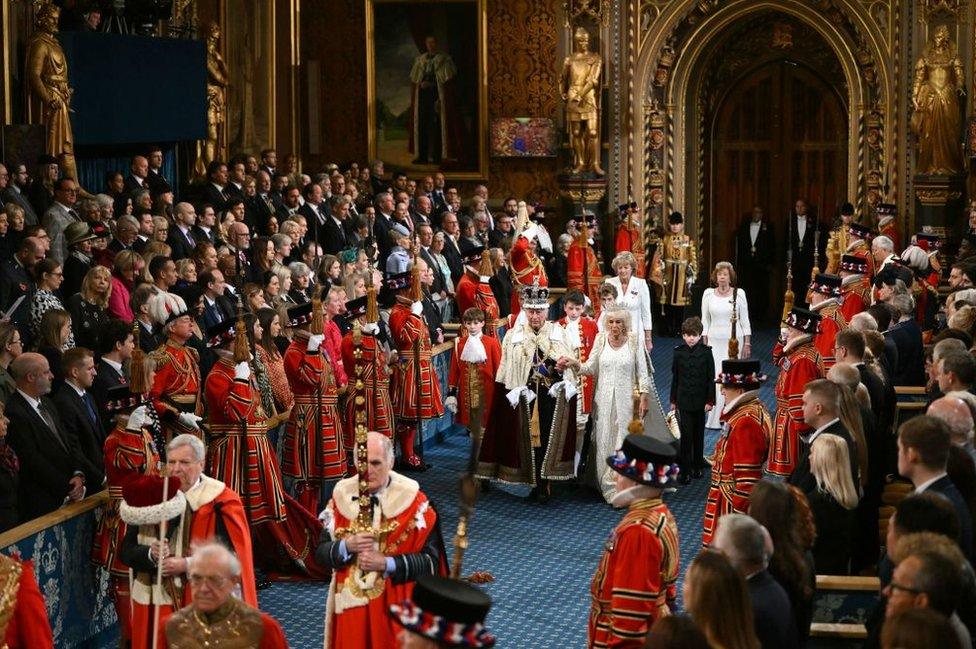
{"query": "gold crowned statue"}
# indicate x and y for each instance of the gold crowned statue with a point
(213, 147)
(580, 89)
(49, 96)
(937, 120)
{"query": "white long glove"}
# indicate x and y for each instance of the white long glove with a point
(137, 419)
(242, 371)
(417, 308)
(571, 390)
(190, 420)
(451, 404)
(315, 341)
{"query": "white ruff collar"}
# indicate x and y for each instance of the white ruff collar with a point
(474, 350)
(393, 500)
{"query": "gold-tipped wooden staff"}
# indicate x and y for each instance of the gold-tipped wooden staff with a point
(788, 295)
(734, 340)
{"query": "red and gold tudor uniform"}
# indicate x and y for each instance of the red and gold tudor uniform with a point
(635, 581)
(471, 379)
(206, 511)
(886, 223)
(628, 237)
(23, 615)
(366, 359)
(240, 456)
(855, 287)
(825, 291)
(580, 335)
(799, 363)
(356, 619)
(582, 267)
(925, 289)
(473, 290)
(176, 388)
(129, 451)
(416, 388)
(527, 268)
(859, 245)
(315, 447)
(742, 448)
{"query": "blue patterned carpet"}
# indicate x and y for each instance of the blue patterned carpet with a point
(542, 556)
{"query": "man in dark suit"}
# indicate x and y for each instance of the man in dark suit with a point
(821, 412)
(115, 346)
(452, 250)
(260, 207)
(15, 192)
(382, 225)
(315, 210)
(17, 280)
(235, 180)
(180, 238)
(907, 337)
(336, 234)
(426, 234)
(138, 175)
(154, 174)
(216, 306)
(215, 192)
(755, 253)
(290, 205)
(50, 467)
(923, 452)
(432, 314)
(269, 160)
(804, 235)
(205, 230)
(79, 413)
(746, 544)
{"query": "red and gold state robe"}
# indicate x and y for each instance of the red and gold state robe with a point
(206, 502)
(588, 283)
(233, 622)
(464, 375)
(855, 296)
(23, 616)
(526, 268)
(176, 387)
(799, 363)
(315, 448)
(581, 342)
(629, 240)
(354, 622)
(241, 457)
(472, 292)
(740, 453)
(376, 383)
(413, 401)
(832, 321)
(635, 582)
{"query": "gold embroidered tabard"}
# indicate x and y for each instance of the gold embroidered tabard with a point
(235, 625)
(10, 571)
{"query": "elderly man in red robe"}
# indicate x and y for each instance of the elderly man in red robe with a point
(799, 363)
(197, 508)
(416, 388)
(376, 567)
(175, 390)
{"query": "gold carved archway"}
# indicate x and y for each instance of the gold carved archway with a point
(666, 171)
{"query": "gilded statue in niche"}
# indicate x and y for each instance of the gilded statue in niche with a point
(213, 146)
(937, 120)
(49, 96)
(581, 91)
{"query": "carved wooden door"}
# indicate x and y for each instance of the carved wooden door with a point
(778, 134)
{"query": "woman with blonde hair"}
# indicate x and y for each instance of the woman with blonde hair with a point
(186, 272)
(89, 307)
(160, 229)
(848, 379)
(634, 295)
(716, 317)
(833, 503)
(716, 597)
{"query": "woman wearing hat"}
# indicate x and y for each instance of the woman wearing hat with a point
(743, 446)
(635, 581)
(79, 237)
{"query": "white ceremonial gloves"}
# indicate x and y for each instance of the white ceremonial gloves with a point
(451, 404)
(484, 279)
(315, 341)
(417, 308)
(371, 328)
(530, 232)
(242, 371)
(137, 419)
(513, 395)
(190, 420)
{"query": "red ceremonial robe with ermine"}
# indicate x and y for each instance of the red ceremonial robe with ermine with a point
(526, 268)
(463, 373)
(315, 448)
(472, 292)
(355, 623)
(413, 401)
(832, 321)
(585, 334)
(636, 580)
(376, 384)
(589, 282)
(205, 503)
(241, 457)
(799, 363)
(740, 453)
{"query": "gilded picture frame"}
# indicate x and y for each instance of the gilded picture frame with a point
(427, 102)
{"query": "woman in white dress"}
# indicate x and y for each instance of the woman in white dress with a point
(716, 319)
(633, 295)
(618, 365)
